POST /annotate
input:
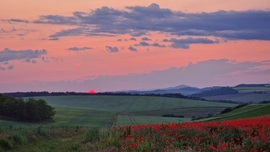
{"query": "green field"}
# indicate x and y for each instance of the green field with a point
(100, 111)
(245, 95)
(77, 115)
(252, 89)
(82, 117)
(244, 112)
(247, 112)
(71, 117)
(242, 97)
(103, 111)
(129, 120)
(126, 103)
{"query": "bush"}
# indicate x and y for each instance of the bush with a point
(209, 115)
(17, 139)
(265, 102)
(226, 110)
(197, 118)
(5, 145)
(240, 106)
(172, 115)
(92, 135)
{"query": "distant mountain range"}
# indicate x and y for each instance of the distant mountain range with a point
(242, 93)
(181, 89)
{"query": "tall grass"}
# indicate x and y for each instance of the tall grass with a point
(12, 137)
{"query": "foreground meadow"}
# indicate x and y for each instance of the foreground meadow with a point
(252, 134)
(111, 123)
(242, 135)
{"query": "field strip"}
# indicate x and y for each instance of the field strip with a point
(127, 120)
(237, 114)
(132, 119)
(255, 109)
(146, 105)
(244, 111)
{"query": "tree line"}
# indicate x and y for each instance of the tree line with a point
(43, 93)
(216, 92)
(30, 110)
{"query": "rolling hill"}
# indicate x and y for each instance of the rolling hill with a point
(181, 89)
(248, 111)
(103, 111)
(243, 93)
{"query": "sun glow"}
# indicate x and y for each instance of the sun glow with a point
(92, 92)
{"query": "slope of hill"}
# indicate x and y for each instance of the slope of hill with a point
(243, 93)
(244, 112)
(126, 103)
(215, 92)
(102, 110)
(251, 85)
(257, 89)
(181, 89)
(242, 97)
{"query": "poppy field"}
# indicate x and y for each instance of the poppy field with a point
(251, 134)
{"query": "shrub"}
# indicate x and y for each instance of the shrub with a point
(92, 135)
(5, 145)
(17, 139)
(240, 106)
(209, 115)
(226, 110)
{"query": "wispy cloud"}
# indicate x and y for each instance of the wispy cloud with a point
(184, 43)
(132, 49)
(133, 39)
(146, 39)
(8, 54)
(76, 49)
(140, 20)
(149, 44)
(2, 68)
(16, 20)
(29, 56)
(112, 49)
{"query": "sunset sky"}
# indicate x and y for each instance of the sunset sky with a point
(110, 45)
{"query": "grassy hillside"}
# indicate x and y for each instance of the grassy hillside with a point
(244, 112)
(242, 97)
(244, 93)
(130, 120)
(252, 89)
(126, 103)
(248, 112)
(102, 111)
(82, 117)
(134, 109)
(71, 117)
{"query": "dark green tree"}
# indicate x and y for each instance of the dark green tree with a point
(31, 110)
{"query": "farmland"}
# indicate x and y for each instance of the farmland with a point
(240, 94)
(83, 118)
(242, 97)
(245, 112)
(237, 135)
(252, 89)
(105, 111)
(77, 117)
(126, 103)
(129, 120)
(100, 111)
